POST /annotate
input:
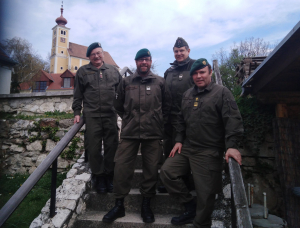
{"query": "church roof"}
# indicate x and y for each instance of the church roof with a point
(79, 51)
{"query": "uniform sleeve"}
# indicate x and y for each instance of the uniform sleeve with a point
(165, 74)
(119, 79)
(120, 98)
(180, 128)
(78, 93)
(166, 102)
(232, 120)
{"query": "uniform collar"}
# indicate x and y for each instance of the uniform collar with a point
(149, 75)
(91, 66)
(184, 62)
(208, 88)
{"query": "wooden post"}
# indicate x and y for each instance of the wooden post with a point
(281, 111)
(217, 72)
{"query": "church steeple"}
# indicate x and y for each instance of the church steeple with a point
(61, 20)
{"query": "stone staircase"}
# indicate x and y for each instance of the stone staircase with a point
(164, 207)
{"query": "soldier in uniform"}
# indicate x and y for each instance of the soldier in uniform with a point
(143, 102)
(95, 85)
(209, 124)
(178, 81)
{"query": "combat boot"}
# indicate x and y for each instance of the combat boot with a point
(188, 216)
(101, 185)
(110, 183)
(117, 211)
(146, 211)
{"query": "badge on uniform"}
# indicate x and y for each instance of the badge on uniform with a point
(116, 96)
(197, 98)
(101, 75)
(180, 77)
(148, 88)
(196, 104)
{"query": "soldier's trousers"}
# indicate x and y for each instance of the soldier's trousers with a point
(169, 135)
(98, 129)
(126, 154)
(206, 166)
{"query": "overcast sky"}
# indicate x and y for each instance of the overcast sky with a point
(124, 27)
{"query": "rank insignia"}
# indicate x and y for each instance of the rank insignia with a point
(148, 88)
(204, 62)
(196, 104)
(99, 44)
(197, 98)
(101, 75)
(116, 96)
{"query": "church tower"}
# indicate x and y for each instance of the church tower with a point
(60, 44)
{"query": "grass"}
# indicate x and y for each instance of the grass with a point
(55, 115)
(32, 204)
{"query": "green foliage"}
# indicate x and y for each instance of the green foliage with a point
(32, 204)
(257, 120)
(51, 131)
(70, 152)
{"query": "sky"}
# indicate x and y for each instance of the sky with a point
(125, 26)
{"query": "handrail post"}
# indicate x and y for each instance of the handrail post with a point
(53, 188)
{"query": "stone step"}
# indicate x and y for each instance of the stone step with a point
(162, 203)
(93, 219)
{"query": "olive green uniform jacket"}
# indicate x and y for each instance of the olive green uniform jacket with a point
(143, 103)
(96, 88)
(210, 119)
(178, 80)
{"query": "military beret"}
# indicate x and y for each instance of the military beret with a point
(198, 64)
(142, 53)
(180, 42)
(92, 47)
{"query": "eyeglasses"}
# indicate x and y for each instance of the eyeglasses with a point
(95, 54)
(142, 60)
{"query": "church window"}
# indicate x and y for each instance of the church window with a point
(54, 32)
(62, 52)
(61, 68)
(40, 86)
(62, 32)
(76, 68)
(67, 82)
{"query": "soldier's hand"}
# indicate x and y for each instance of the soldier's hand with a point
(233, 153)
(177, 147)
(76, 119)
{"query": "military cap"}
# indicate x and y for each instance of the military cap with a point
(92, 47)
(180, 42)
(142, 53)
(198, 64)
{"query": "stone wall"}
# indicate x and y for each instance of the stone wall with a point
(21, 153)
(36, 103)
(260, 170)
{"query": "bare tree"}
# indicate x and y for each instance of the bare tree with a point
(29, 62)
(229, 60)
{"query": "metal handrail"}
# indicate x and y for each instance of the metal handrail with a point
(239, 207)
(22, 192)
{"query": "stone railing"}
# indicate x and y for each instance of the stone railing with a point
(71, 198)
(36, 103)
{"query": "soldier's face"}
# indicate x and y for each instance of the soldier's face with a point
(96, 57)
(143, 64)
(181, 54)
(202, 77)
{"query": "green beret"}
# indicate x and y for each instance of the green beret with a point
(92, 47)
(142, 53)
(198, 64)
(180, 42)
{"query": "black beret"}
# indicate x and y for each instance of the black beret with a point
(198, 64)
(142, 53)
(92, 47)
(180, 42)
